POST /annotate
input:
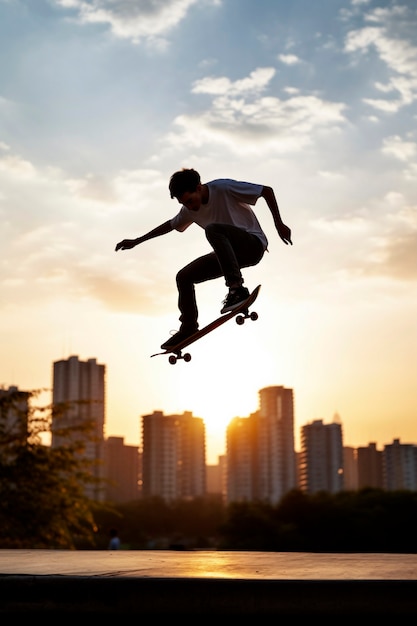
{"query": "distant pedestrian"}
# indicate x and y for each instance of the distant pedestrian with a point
(114, 543)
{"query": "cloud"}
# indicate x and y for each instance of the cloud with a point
(394, 257)
(148, 20)
(255, 83)
(289, 59)
(402, 150)
(392, 37)
(58, 237)
(240, 117)
(145, 292)
(17, 167)
(92, 187)
(345, 225)
(378, 239)
(128, 187)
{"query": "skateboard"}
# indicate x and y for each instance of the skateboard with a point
(241, 313)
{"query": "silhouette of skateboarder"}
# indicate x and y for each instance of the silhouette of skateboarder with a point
(222, 208)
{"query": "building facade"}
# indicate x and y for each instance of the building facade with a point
(370, 467)
(261, 460)
(400, 466)
(78, 398)
(321, 467)
(350, 468)
(242, 471)
(121, 471)
(173, 456)
(276, 453)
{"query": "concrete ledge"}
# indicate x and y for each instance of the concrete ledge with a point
(149, 583)
(134, 597)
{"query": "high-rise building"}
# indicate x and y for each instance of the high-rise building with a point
(121, 470)
(276, 453)
(350, 468)
(370, 467)
(173, 456)
(400, 466)
(321, 466)
(242, 470)
(216, 478)
(78, 398)
(261, 462)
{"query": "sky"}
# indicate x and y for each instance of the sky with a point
(102, 100)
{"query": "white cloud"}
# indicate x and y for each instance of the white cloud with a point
(392, 37)
(289, 59)
(400, 149)
(16, 166)
(58, 237)
(394, 257)
(331, 176)
(240, 118)
(377, 239)
(392, 249)
(349, 225)
(399, 55)
(256, 82)
(148, 20)
(386, 106)
(380, 14)
(291, 90)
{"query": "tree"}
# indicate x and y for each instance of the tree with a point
(42, 501)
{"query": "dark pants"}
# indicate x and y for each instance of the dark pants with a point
(233, 248)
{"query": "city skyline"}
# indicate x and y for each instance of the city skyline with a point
(101, 102)
(216, 447)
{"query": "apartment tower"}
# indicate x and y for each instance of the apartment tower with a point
(400, 466)
(370, 467)
(78, 398)
(321, 467)
(173, 456)
(121, 464)
(261, 462)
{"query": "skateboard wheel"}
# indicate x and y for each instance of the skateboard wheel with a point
(187, 357)
(254, 316)
(172, 359)
(240, 320)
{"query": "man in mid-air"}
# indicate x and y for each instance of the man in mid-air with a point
(223, 208)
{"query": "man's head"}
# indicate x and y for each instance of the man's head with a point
(186, 187)
(182, 181)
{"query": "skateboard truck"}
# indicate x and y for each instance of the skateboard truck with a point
(240, 319)
(173, 358)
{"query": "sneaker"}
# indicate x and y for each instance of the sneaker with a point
(234, 298)
(179, 336)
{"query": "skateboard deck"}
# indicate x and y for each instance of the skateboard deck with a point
(241, 313)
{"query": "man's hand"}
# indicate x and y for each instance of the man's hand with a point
(285, 233)
(126, 244)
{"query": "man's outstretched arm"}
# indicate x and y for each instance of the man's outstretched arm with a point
(163, 229)
(283, 231)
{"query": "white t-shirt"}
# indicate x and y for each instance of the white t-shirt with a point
(228, 203)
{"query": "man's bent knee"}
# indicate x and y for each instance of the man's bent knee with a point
(181, 276)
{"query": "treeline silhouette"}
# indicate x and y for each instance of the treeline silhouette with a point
(370, 520)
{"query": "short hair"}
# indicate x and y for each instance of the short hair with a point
(182, 181)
